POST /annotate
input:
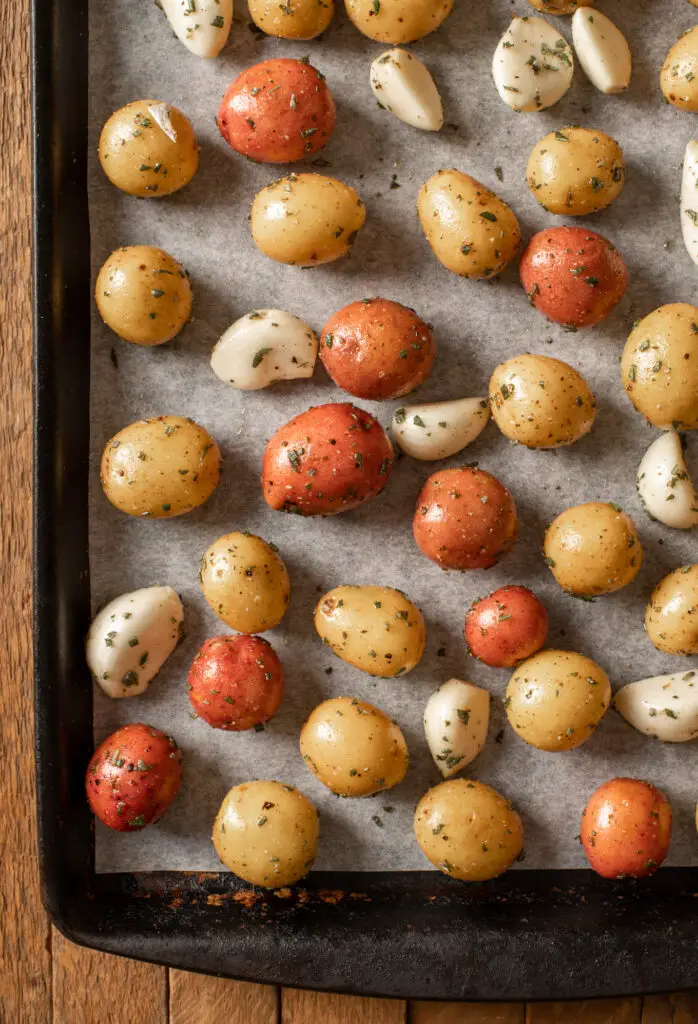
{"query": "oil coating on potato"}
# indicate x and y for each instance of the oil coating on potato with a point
(559, 6)
(593, 549)
(679, 75)
(671, 618)
(236, 682)
(295, 19)
(245, 582)
(626, 829)
(576, 171)
(398, 21)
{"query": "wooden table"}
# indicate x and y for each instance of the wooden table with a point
(43, 977)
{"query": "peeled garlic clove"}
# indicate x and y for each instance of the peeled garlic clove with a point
(265, 346)
(202, 25)
(404, 86)
(663, 706)
(689, 200)
(664, 485)
(532, 65)
(440, 429)
(602, 50)
(456, 720)
(132, 637)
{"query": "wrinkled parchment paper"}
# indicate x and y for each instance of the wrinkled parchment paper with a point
(135, 55)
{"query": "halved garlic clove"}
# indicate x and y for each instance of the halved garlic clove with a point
(662, 706)
(602, 50)
(263, 347)
(456, 720)
(689, 200)
(664, 485)
(439, 429)
(202, 25)
(404, 86)
(132, 637)
(532, 65)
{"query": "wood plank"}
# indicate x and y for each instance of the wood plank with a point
(590, 1011)
(300, 1007)
(466, 1013)
(200, 999)
(680, 1008)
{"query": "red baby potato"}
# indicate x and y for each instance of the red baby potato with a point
(329, 459)
(573, 276)
(626, 829)
(278, 111)
(377, 349)
(133, 777)
(236, 682)
(506, 627)
(465, 519)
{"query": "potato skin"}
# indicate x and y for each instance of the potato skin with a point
(377, 349)
(541, 402)
(507, 626)
(143, 294)
(245, 582)
(266, 833)
(140, 159)
(278, 111)
(468, 830)
(375, 629)
(626, 829)
(659, 366)
(559, 6)
(304, 220)
(556, 699)
(303, 19)
(574, 276)
(671, 618)
(465, 519)
(236, 682)
(329, 459)
(576, 171)
(398, 21)
(678, 78)
(593, 549)
(161, 467)
(471, 231)
(133, 777)
(353, 748)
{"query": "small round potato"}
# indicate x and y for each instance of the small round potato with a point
(353, 748)
(159, 468)
(556, 699)
(236, 682)
(143, 294)
(559, 6)
(300, 19)
(266, 833)
(679, 76)
(626, 829)
(245, 582)
(472, 232)
(660, 366)
(541, 402)
(148, 149)
(306, 219)
(398, 21)
(593, 549)
(375, 629)
(468, 830)
(576, 171)
(671, 618)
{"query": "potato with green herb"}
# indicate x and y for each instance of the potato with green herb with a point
(296, 19)
(397, 21)
(671, 618)
(245, 582)
(593, 549)
(576, 171)
(679, 75)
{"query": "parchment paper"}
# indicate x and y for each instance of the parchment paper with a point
(135, 55)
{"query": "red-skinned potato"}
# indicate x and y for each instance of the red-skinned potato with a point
(329, 459)
(236, 682)
(574, 276)
(377, 349)
(277, 112)
(133, 777)
(465, 519)
(506, 627)
(626, 829)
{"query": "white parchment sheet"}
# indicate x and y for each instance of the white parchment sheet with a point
(134, 55)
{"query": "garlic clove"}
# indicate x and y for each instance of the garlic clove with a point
(662, 706)
(404, 86)
(664, 485)
(456, 720)
(439, 429)
(532, 65)
(602, 50)
(265, 346)
(202, 25)
(689, 200)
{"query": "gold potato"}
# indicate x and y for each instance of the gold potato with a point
(159, 468)
(556, 699)
(593, 549)
(660, 366)
(245, 582)
(375, 629)
(148, 149)
(541, 402)
(297, 19)
(576, 171)
(468, 830)
(398, 21)
(306, 219)
(266, 833)
(679, 76)
(353, 748)
(472, 232)
(671, 618)
(559, 6)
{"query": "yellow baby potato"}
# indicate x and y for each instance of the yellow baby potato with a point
(593, 549)
(679, 76)
(398, 21)
(296, 19)
(245, 582)
(576, 171)
(559, 6)
(671, 618)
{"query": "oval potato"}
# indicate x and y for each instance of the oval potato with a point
(302, 19)
(245, 582)
(576, 171)
(398, 21)
(678, 78)
(559, 6)
(593, 549)
(671, 617)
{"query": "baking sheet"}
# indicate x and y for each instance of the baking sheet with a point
(135, 55)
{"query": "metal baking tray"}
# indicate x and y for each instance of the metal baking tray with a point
(527, 935)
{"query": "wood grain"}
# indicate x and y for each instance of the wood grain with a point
(466, 1013)
(681, 1008)
(198, 999)
(590, 1011)
(299, 1007)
